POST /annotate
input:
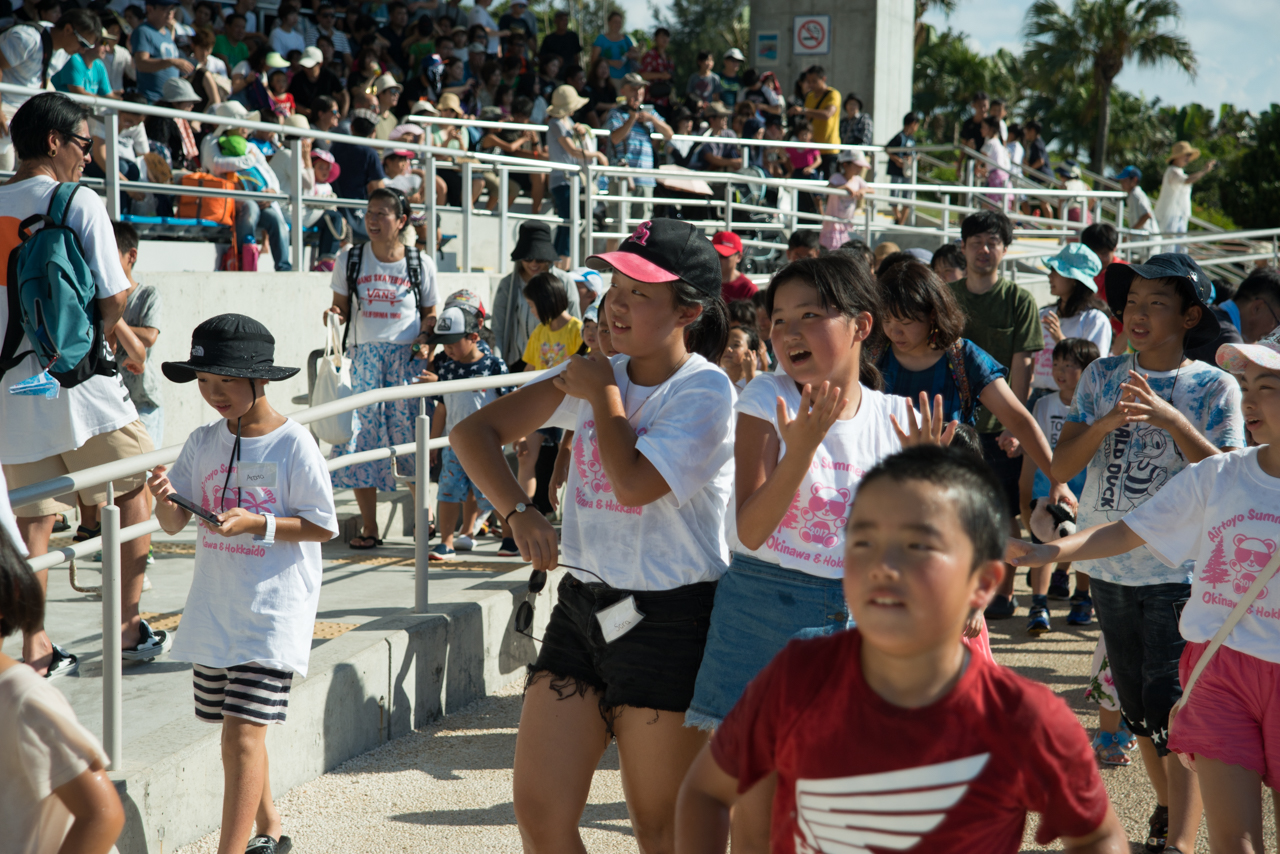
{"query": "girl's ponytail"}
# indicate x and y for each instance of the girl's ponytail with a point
(709, 334)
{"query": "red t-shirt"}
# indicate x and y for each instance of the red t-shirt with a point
(739, 288)
(958, 776)
(1117, 324)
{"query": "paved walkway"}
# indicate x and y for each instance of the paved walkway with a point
(448, 787)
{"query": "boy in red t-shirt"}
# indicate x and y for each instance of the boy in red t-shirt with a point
(891, 736)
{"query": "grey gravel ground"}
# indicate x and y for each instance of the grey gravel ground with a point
(448, 787)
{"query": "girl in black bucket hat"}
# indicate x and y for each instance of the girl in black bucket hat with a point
(263, 487)
(643, 536)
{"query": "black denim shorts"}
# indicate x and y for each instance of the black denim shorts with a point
(653, 666)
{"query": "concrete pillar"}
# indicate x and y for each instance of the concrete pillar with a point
(870, 51)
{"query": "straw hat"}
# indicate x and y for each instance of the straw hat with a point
(449, 101)
(1180, 148)
(565, 101)
(385, 82)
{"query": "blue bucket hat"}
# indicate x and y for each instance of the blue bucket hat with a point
(1170, 265)
(1077, 261)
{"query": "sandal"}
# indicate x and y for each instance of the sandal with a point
(63, 663)
(266, 845)
(1126, 739)
(60, 523)
(1158, 834)
(1106, 746)
(150, 644)
(82, 533)
(369, 542)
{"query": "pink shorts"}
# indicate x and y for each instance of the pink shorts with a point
(1233, 714)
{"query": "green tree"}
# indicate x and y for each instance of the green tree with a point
(1097, 37)
(947, 73)
(696, 25)
(946, 7)
(1251, 192)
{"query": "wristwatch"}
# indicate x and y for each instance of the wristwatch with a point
(520, 508)
(270, 537)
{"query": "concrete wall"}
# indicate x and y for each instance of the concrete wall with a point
(290, 304)
(372, 684)
(871, 52)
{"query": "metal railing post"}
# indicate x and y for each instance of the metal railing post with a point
(795, 208)
(299, 214)
(589, 224)
(467, 207)
(946, 218)
(430, 195)
(1120, 215)
(504, 195)
(422, 517)
(112, 172)
(728, 206)
(968, 182)
(915, 172)
(869, 213)
(112, 666)
(575, 219)
(1275, 250)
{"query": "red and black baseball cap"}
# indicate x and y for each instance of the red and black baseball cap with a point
(663, 250)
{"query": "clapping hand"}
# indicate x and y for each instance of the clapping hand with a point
(817, 412)
(583, 378)
(930, 430)
(1145, 405)
(1052, 325)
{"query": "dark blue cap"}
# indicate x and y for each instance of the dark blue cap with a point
(1170, 265)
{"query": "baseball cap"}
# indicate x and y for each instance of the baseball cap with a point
(1129, 172)
(1233, 358)
(590, 278)
(275, 60)
(633, 79)
(1079, 262)
(1169, 265)
(734, 53)
(397, 152)
(663, 250)
(453, 325)
(726, 243)
(854, 157)
(468, 301)
(311, 57)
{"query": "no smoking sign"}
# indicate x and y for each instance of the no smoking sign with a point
(812, 35)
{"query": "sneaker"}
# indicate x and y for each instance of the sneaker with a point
(146, 582)
(508, 548)
(463, 543)
(1059, 585)
(151, 559)
(1001, 608)
(1038, 624)
(441, 552)
(151, 644)
(1081, 613)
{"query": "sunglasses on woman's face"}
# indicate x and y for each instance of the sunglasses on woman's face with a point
(84, 143)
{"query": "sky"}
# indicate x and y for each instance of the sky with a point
(1234, 40)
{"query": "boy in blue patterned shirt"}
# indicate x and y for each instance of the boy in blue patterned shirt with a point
(458, 332)
(1136, 421)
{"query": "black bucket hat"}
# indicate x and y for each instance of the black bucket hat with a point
(534, 243)
(663, 250)
(229, 345)
(1170, 265)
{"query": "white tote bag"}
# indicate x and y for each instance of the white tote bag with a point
(333, 382)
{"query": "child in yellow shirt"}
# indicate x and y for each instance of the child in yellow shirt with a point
(558, 335)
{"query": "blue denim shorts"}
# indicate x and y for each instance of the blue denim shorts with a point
(759, 607)
(455, 486)
(1140, 627)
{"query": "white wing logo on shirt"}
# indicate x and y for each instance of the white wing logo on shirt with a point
(891, 810)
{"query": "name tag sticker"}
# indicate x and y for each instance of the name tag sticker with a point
(619, 618)
(256, 475)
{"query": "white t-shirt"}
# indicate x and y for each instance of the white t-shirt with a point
(282, 42)
(480, 15)
(1090, 324)
(1175, 199)
(408, 183)
(810, 538)
(213, 65)
(42, 747)
(388, 312)
(1051, 413)
(250, 602)
(118, 63)
(1137, 460)
(22, 49)
(1223, 513)
(97, 405)
(1137, 205)
(685, 429)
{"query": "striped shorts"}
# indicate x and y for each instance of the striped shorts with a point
(250, 691)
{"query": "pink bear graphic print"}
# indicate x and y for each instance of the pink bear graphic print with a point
(590, 469)
(824, 515)
(1249, 557)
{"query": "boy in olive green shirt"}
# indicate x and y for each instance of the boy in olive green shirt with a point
(1003, 320)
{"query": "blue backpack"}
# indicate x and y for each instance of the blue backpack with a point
(53, 300)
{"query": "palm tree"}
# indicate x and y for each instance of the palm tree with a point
(946, 7)
(1098, 37)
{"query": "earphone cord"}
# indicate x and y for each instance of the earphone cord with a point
(235, 457)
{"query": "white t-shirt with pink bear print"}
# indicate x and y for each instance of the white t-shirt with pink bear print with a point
(1224, 513)
(811, 536)
(684, 427)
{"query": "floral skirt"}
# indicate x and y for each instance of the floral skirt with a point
(380, 365)
(1102, 688)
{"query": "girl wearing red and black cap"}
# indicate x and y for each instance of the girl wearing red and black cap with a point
(643, 537)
